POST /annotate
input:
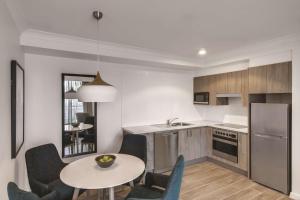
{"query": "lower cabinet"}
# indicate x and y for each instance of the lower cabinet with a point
(243, 151)
(192, 143)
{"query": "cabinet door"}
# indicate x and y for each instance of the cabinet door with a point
(195, 143)
(278, 78)
(258, 80)
(245, 88)
(243, 151)
(183, 144)
(189, 143)
(209, 141)
(234, 82)
(201, 84)
(290, 77)
(220, 83)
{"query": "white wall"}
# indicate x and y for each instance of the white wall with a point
(144, 96)
(296, 123)
(10, 170)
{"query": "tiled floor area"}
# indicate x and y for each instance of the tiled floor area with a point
(208, 181)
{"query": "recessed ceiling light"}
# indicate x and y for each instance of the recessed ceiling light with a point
(202, 52)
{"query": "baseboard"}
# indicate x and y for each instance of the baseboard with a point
(199, 160)
(295, 196)
(227, 166)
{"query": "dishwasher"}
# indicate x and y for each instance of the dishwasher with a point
(165, 151)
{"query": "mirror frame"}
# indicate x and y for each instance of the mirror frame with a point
(63, 75)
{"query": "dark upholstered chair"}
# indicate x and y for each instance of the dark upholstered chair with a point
(171, 184)
(135, 145)
(43, 168)
(14, 193)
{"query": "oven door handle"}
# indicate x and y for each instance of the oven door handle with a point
(225, 141)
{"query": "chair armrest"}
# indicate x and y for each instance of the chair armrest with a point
(50, 196)
(38, 187)
(160, 180)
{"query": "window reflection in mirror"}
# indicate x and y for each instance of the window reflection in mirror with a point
(79, 134)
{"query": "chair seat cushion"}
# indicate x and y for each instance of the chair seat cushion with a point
(64, 192)
(141, 192)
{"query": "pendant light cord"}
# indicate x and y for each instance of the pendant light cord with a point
(98, 45)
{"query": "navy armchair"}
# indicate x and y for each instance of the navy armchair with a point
(14, 193)
(135, 145)
(171, 184)
(43, 168)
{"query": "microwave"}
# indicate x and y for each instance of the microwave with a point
(201, 98)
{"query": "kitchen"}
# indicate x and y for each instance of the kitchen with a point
(235, 143)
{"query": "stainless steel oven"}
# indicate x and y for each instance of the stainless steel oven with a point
(201, 98)
(225, 144)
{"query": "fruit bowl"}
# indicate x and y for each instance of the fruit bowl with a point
(75, 124)
(105, 161)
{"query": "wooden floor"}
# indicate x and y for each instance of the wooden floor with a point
(208, 181)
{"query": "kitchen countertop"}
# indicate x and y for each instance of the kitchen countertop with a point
(194, 124)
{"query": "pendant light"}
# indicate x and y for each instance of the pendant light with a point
(71, 94)
(97, 90)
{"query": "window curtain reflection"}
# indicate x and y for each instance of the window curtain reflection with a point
(72, 106)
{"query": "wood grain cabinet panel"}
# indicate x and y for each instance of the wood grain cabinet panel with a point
(290, 77)
(201, 84)
(278, 78)
(220, 83)
(183, 144)
(245, 88)
(189, 143)
(258, 80)
(234, 82)
(243, 151)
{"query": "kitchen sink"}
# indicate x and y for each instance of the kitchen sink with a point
(177, 124)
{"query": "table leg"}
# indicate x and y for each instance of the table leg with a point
(131, 184)
(75, 194)
(77, 142)
(111, 193)
(99, 194)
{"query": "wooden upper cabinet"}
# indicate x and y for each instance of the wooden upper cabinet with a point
(245, 87)
(290, 77)
(258, 80)
(202, 84)
(278, 78)
(234, 82)
(220, 83)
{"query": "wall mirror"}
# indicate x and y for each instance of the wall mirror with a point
(79, 119)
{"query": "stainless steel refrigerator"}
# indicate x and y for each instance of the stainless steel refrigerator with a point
(270, 145)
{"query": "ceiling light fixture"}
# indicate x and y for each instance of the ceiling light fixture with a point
(202, 52)
(97, 90)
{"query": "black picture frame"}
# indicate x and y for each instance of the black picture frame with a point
(63, 75)
(17, 108)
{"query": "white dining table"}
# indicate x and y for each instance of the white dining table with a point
(82, 127)
(86, 174)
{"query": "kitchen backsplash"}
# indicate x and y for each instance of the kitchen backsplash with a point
(232, 113)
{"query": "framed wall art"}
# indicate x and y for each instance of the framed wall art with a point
(17, 107)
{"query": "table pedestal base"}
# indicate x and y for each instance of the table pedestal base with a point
(111, 194)
(76, 193)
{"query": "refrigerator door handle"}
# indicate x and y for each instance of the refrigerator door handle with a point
(270, 136)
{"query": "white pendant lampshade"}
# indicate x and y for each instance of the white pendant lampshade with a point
(71, 94)
(97, 91)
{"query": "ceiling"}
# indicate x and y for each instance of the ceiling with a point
(177, 27)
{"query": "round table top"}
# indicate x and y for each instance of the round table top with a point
(86, 174)
(81, 127)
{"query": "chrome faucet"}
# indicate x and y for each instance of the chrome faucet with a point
(170, 121)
